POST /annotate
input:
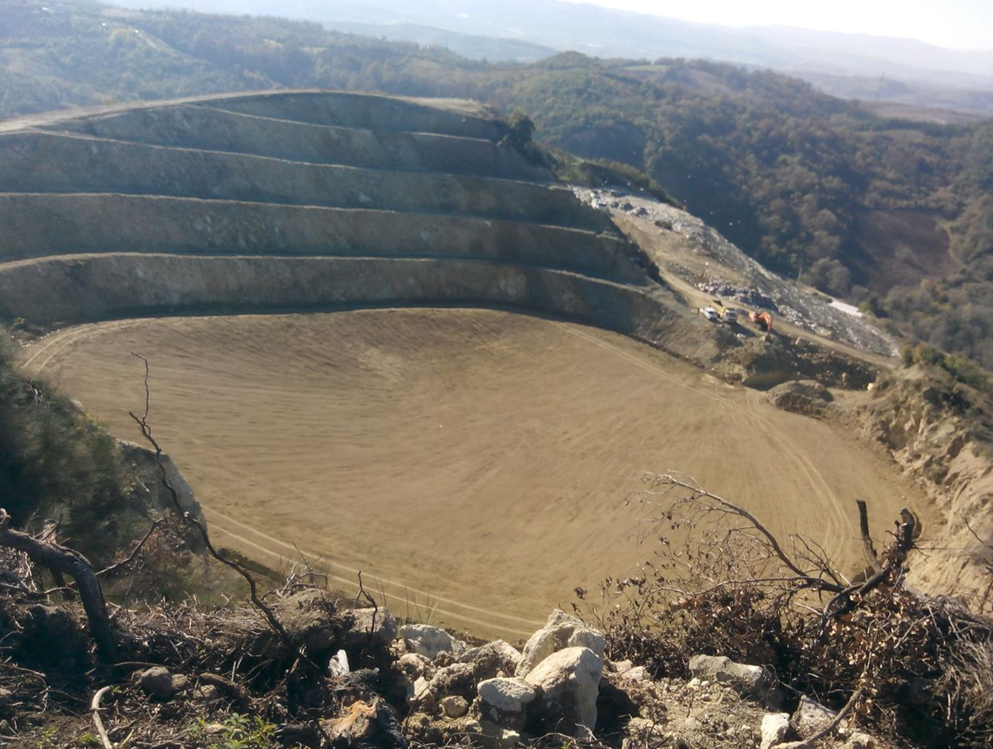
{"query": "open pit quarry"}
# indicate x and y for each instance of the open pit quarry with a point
(380, 337)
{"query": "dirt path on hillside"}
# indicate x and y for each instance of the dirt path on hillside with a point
(475, 463)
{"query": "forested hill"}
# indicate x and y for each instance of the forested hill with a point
(895, 214)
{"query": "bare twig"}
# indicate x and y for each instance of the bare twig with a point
(134, 553)
(372, 601)
(730, 507)
(267, 612)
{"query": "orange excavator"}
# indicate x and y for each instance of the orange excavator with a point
(762, 319)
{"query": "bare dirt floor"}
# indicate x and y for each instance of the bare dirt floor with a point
(475, 464)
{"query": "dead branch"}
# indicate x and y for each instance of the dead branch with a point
(134, 552)
(372, 601)
(95, 709)
(730, 507)
(892, 566)
(68, 561)
(267, 612)
(871, 557)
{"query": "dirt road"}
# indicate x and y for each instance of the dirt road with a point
(474, 463)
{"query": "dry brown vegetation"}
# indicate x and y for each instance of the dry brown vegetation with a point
(912, 665)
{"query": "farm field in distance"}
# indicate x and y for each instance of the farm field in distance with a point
(474, 463)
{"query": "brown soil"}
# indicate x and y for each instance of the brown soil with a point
(474, 463)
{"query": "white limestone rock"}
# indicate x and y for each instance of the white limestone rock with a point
(775, 729)
(569, 683)
(429, 641)
(560, 631)
(504, 701)
(751, 681)
(811, 717)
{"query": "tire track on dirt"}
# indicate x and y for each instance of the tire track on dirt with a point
(355, 571)
(351, 584)
(59, 343)
(62, 339)
(839, 521)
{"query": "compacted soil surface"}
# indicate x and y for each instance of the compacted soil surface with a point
(476, 465)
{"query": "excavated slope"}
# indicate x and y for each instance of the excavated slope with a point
(475, 463)
(308, 200)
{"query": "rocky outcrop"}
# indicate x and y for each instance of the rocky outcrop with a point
(936, 430)
(144, 465)
(771, 359)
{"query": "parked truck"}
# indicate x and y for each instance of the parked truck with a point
(727, 314)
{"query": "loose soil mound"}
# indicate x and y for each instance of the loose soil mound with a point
(807, 397)
(476, 462)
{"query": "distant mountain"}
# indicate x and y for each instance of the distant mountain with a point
(902, 54)
(469, 46)
(608, 33)
(921, 101)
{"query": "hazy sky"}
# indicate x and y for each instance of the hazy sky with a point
(963, 24)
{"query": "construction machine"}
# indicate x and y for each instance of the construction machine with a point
(763, 320)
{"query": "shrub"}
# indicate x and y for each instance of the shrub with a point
(963, 369)
(55, 463)
(914, 667)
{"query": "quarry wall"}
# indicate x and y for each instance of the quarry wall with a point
(305, 200)
(43, 225)
(201, 127)
(97, 287)
(50, 163)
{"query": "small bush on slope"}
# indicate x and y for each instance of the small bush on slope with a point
(56, 463)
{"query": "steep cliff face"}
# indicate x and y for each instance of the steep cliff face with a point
(309, 200)
(936, 431)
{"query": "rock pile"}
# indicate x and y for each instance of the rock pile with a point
(497, 694)
(561, 683)
(418, 685)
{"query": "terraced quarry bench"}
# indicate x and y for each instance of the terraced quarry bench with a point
(475, 462)
(307, 200)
